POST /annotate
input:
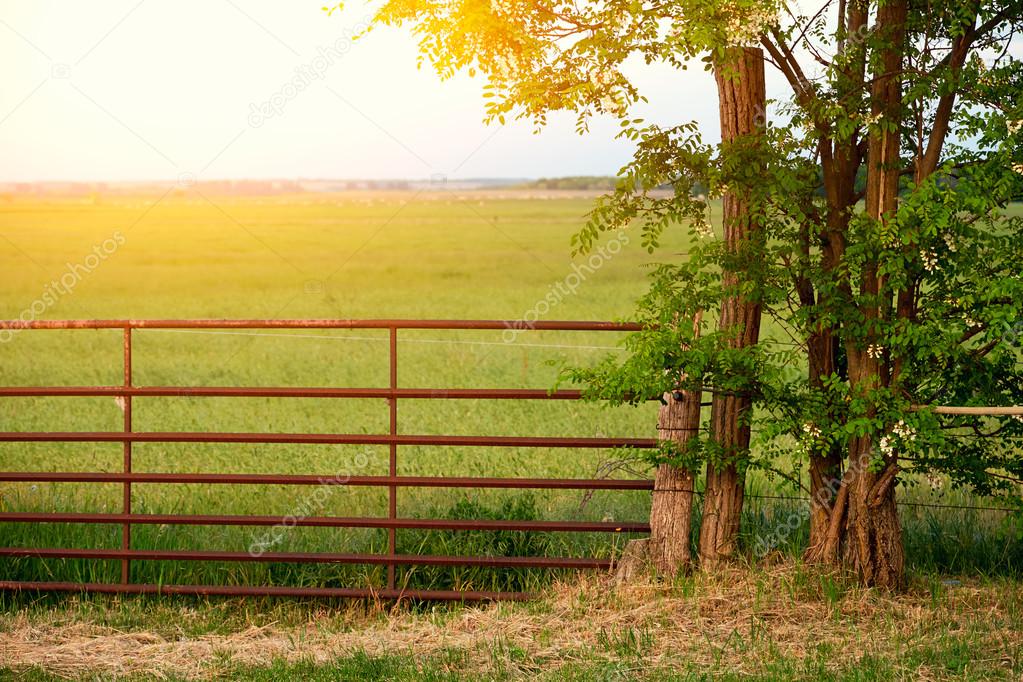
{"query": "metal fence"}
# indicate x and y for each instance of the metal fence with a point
(393, 482)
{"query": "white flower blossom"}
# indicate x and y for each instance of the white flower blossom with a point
(902, 433)
(612, 105)
(745, 27)
(1014, 126)
(1018, 167)
(812, 434)
(872, 120)
(875, 350)
(950, 242)
(703, 229)
(903, 430)
(930, 260)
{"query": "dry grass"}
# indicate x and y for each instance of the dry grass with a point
(739, 621)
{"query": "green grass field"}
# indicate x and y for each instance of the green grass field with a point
(438, 256)
(428, 255)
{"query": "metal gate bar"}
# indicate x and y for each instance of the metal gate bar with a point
(267, 591)
(392, 482)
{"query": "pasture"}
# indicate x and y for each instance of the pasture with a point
(475, 255)
(336, 256)
(390, 255)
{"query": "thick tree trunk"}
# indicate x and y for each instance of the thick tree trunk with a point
(742, 101)
(840, 161)
(873, 536)
(671, 514)
(825, 468)
(872, 542)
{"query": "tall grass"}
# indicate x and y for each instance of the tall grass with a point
(340, 256)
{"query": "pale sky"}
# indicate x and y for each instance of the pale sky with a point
(153, 89)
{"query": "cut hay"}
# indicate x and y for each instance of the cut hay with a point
(736, 620)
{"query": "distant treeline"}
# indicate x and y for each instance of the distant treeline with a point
(597, 182)
(603, 183)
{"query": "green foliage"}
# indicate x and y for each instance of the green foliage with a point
(922, 297)
(560, 55)
(928, 290)
(950, 248)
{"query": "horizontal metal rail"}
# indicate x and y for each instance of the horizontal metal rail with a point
(285, 392)
(329, 479)
(391, 523)
(309, 557)
(320, 438)
(482, 325)
(266, 591)
(324, 522)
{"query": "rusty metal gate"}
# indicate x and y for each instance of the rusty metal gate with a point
(126, 518)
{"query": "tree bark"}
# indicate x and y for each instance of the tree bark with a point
(873, 535)
(742, 101)
(840, 161)
(872, 542)
(825, 469)
(671, 514)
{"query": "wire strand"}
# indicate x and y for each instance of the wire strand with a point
(384, 340)
(795, 498)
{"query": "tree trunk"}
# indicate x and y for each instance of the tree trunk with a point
(742, 101)
(840, 161)
(873, 535)
(671, 514)
(726, 481)
(825, 468)
(872, 542)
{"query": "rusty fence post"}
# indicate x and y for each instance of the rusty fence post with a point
(126, 407)
(392, 501)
